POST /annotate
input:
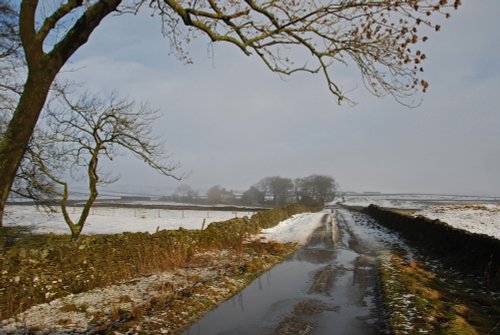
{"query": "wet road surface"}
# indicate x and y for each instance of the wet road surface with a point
(327, 287)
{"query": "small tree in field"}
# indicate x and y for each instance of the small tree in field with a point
(80, 133)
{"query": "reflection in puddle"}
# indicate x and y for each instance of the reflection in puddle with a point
(322, 289)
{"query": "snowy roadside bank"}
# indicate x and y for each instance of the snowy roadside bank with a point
(296, 229)
(141, 303)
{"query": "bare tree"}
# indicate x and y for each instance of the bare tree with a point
(82, 132)
(376, 36)
(214, 194)
(278, 187)
(253, 196)
(315, 189)
(9, 34)
(29, 182)
(184, 192)
(10, 63)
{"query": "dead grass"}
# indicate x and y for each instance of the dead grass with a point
(175, 312)
(420, 299)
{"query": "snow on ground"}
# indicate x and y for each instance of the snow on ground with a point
(79, 313)
(168, 203)
(480, 219)
(389, 203)
(105, 220)
(408, 201)
(86, 304)
(296, 229)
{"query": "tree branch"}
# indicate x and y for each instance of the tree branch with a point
(80, 32)
(52, 20)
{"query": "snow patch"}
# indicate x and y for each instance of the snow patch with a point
(296, 229)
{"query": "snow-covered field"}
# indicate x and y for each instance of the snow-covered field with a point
(477, 214)
(105, 220)
(480, 219)
(296, 229)
(409, 201)
(169, 203)
(360, 200)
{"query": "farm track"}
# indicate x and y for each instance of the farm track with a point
(330, 286)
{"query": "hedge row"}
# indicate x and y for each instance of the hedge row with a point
(469, 251)
(40, 268)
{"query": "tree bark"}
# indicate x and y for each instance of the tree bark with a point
(19, 131)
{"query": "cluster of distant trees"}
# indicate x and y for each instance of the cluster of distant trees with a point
(273, 191)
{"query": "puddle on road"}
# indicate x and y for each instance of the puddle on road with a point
(324, 288)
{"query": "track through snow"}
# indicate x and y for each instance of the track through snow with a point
(327, 287)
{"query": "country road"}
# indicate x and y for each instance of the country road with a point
(327, 287)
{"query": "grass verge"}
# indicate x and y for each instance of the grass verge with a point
(163, 303)
(425, 298)
(179, 312)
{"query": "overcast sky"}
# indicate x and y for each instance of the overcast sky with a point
(229, 121)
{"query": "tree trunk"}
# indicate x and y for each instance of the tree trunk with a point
(13, 144)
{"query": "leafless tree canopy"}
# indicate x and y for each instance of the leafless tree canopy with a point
(9, 34)
(11, 63)
(92, 124)
(377, 36)
(316, 189)
(78, 134)
(278, 187)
